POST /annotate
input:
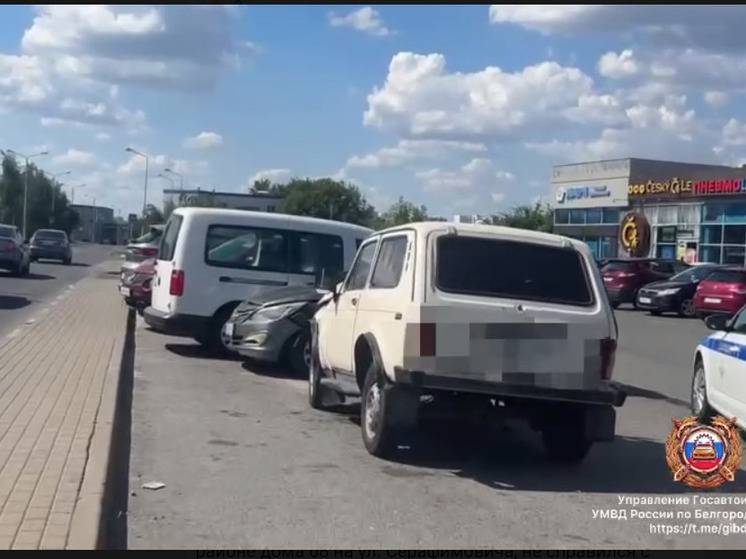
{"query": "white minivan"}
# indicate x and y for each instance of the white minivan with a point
(209, 260)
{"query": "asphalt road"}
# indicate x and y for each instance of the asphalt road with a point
(247, 463)
(21, 298)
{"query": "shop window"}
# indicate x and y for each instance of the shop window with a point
(710, 254)
(577, 217)
(734, 235)
(689, 214)
(593, 245)
(561, 216)
(666, 251)
(611, 215)
(594, 215)
(735, 213)
(713, 213)
(712, 234)
(667, 234)
(668, 214)
(608, 247)
(734, 255)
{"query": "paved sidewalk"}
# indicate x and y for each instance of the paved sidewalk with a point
(54, 375)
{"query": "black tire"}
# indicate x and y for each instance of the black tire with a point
(315, 399)
(211, 338)
(565, 439)
(634, 300)
(376, 421)
(298, 353)
(655, 313)
(67, 261)
(615, 304)
(701, 409)
(686, 309)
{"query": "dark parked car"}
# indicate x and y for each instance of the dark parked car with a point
(275, 326)
(143, 247)
(14, 253)
(624, 277)
(675, 294)
(723, 292)
(51, 244)
(135, 284)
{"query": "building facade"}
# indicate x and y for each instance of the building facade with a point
(641, 207)
(234, 200)
(94, 223)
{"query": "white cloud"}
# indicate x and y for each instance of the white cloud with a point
(365, 19)
(716, 99)
(664, 117)
(103, 137)
(734, 133)
(278, 176)
(611, 143)
(420, 98)
(407, 151)
(477, 175)
(75, 158)
(204, 140)
(622, 65)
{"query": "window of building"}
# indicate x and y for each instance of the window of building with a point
(270, 208)
(712, 234)
(709, 253)
(735, 213)
(734, 234)
(594, 215)
(713, 213)
(577, 217)
(561, 216)
(667, 234)
(734, 255)
(668, 214)
(611, 215)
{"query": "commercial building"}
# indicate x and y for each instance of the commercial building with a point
(257, 202)
(643, 207)
(94, 223)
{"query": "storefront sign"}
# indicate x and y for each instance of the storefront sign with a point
(634, 234)
(677, 187)
(580, 192)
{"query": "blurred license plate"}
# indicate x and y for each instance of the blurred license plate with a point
(646, 300)
(125, 291)
(712, 300)
(229, 329)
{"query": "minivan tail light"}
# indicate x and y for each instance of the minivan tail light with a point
(626, 274)
(608, 356)
(177, 283)
(427, 339)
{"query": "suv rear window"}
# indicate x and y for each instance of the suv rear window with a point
(169, 238)
(56, 235)
(512, 269)
(728, 276)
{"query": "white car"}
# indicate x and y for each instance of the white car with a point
(719, 380)
(478, 316)
(210, 260)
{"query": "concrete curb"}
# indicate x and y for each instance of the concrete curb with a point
(89, 520)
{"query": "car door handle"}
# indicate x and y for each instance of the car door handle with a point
(353, 301)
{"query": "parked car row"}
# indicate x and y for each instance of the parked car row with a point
(414, 319)
(16, 254)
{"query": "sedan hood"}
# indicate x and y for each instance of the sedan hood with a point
(660, 285)
(285, 295)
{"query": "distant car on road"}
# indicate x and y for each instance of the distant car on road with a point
(143, 247)
(718, 385)
(135, 284)
(274, 326)
(14, 253)
(675, 294)
(723, 292)
(624, 277)
(51, 244)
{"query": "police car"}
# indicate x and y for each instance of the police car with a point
(719, 380)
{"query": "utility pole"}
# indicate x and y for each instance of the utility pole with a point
(27, 158)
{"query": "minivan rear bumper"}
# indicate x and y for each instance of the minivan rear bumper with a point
(610, 396)
(186, 325)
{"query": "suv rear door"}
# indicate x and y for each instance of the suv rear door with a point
(161, 297)
(517, 310)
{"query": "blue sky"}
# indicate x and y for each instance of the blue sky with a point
(461, 108)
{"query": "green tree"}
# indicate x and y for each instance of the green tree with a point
(537, 217)
(329, 199)
(261, 185)
(400, 213)
(11, 192)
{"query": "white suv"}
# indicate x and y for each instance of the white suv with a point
(490, 317)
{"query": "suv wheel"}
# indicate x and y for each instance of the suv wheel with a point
(686, 308)
(565, 439)
(699, 404)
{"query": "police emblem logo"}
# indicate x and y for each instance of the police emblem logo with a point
(704, 456)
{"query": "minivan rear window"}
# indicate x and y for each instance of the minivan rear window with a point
(512, 269)
(170, 236)
(728, 276)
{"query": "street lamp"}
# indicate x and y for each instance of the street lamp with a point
(169, 179)
(72, 201)
(27, 158)
(54, 176)
(145, 195)
(181, 177)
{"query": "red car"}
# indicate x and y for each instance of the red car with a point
(135, 284)
(624, 277)
(722, 292)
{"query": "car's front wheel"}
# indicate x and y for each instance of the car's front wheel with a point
(686, 308)
(699, 404)
(299, 353)
(314, 381)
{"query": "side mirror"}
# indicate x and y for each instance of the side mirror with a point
(718, 322)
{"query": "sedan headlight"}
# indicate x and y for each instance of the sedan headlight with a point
(269, 314)
(672, 291)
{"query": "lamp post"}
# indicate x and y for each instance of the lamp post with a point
(54, 193)
(181, 177)
(72, 201)
(145, 194)
(27, 158)
(169, 179)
